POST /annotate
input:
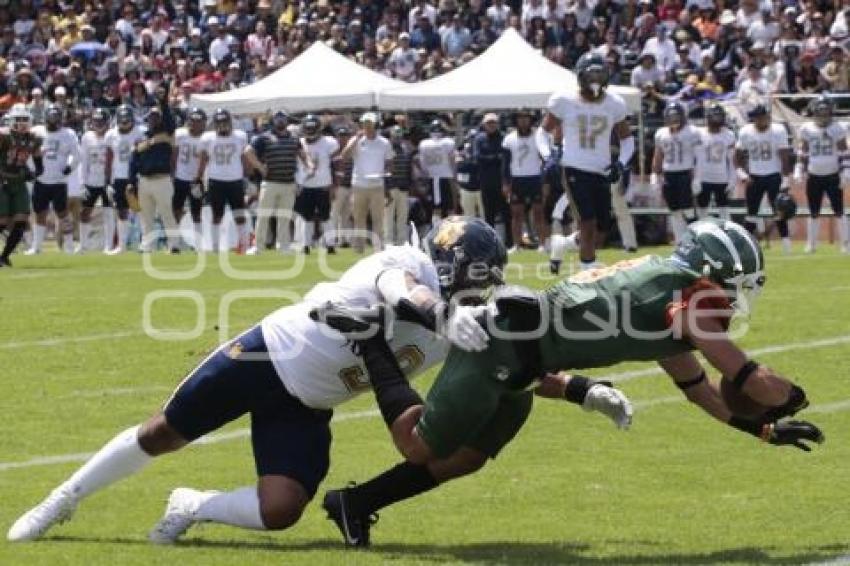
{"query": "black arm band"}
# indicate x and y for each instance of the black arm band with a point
(751, 427)
(577, 388)
(685, 385)
(744, 374)
(426, 317)
(392, 391)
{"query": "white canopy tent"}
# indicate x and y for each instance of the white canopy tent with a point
(320, 78)
(509, 74)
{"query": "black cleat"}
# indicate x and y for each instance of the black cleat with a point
(331, 250)
(631, 250)
(306, 250)
(5, 261)
(554, 266)
(354, 528)
(347, 320)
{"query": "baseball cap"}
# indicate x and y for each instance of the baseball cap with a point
(369, 117)
(490, 117)
(403, 35)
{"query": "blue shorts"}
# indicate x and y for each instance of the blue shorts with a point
(288, 438)
(591, 193)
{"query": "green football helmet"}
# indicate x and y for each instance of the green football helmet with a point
(727, 254)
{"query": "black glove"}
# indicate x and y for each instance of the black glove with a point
(793, 433)
(614, 172)
(86, 194)
(67, 170)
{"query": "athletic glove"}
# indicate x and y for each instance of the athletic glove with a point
(614, 172)
(463, 329)
(611, 402)
(67, 170)
(197, 190)
(792, 433)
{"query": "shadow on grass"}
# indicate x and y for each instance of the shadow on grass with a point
(505, 552)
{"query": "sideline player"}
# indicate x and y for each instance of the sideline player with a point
(96, 167)
(763, 158)
(649, 308)
(436, 164)
(17, 145)
(675, 158)
(588, 119)
(823, 154)
(715, 174)
(122, 139)
(61, 153)
(187, 180)
(315, 173)
(522, 179)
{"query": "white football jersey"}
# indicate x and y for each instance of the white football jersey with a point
(320, 152)
(122, 145)
(763, 148)
(823, 146)
(525, 157)
(586, 128)
(436, 157)
(188, 149)
(57, 149)
(714, 156)
(225, 155)
(93, 150)
(679, 148)
(316, 363)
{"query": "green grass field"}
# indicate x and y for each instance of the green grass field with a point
(678, 488)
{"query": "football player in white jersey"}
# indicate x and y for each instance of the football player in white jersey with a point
(522, 173)
(96, 168)
(121, 140)
(763, 158)
(715, 173)
(186, 167)
(224, 164)
(436, 166)
(823, 154)
(675, 157)
(61, 154)
(588, 120)
(289, 372)
(315, 179)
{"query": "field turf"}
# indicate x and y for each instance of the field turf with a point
(678, 488)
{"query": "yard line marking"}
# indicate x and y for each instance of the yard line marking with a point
(68, 340)
(204, 440)
(86, 393)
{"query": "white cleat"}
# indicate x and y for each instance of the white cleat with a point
(32, 251)
(845, 248)
(512, 250)
(809, 249)
(115, 251)
(183, 504)
(57, 508)
(79, 250)
(252, 251)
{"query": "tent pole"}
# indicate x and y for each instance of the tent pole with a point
(641, 149)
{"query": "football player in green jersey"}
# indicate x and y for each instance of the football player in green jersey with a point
(650, 308)
(17, 145)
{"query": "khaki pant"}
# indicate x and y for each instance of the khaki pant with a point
(368, 202)
(276, 199)
(395, 221)
(470, 202)
(341, 214)
(155, 196)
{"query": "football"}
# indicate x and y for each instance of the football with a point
(739, 402)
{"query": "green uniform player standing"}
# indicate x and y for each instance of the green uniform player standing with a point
(650, 308)
(17, 146)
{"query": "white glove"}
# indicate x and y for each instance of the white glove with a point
(197, 190)
(696, 185)
(463, 330)
(654, 182)
(610, 402)
(730, 188)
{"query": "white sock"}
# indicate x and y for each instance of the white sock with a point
(199, 236)
(108, 228)
(244, 234)
(558, 247)
(677, 222)
(123, 226)
(85, 230)
(216, 232)
(238, 508)
(786, 244)
(813, 227)
(38, 236)
(326, 229)
(119, 458)
(724, 213)
(585, 265)
(309, 231)
(843, 231)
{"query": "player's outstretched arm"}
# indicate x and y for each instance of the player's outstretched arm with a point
(590, 394)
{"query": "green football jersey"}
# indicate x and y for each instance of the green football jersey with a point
(615, 314)
(15, 151)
